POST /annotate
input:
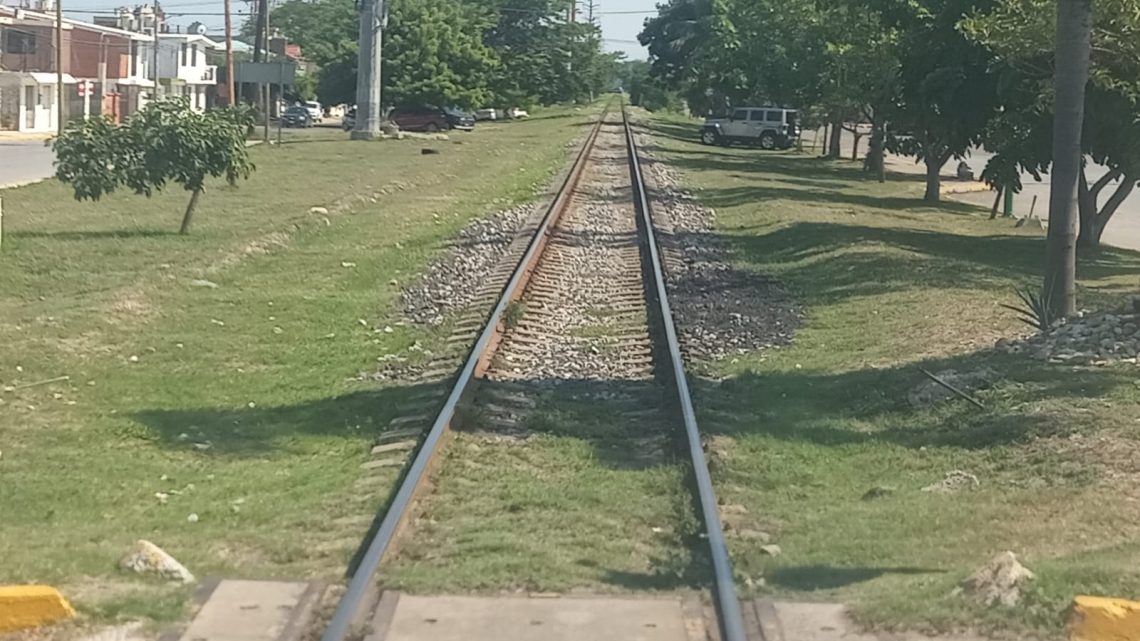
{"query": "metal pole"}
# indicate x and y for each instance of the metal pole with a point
(59, 65)
(1007, 210)
(230, 84)
(372, 21)
(281, 94)
(265, 91)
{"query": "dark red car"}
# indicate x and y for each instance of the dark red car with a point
(429, 119)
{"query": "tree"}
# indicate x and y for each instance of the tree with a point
(1071, 76)
(434, 53)
(1022, 33)
(165, 142)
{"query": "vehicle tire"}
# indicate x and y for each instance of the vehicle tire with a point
(710, 137)
(768, 141)
(431, 128)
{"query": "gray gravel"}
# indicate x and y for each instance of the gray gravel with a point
(720, 311)
(450, 283)
(1088, 339)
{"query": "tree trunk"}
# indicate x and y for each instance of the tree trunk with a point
(836, 136)
(190, 211)
(934, 164)
(1070, 77)
(855, 150)
(997, 202)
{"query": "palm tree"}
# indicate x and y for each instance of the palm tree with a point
(1070, 77)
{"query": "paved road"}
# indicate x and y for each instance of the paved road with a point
(24, 161)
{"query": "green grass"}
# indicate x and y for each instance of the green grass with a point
(891, 284)
(240, 402)
(592, 500)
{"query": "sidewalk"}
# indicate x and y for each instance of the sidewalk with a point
(21, 136)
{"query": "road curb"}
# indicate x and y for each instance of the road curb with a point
(1104, 619)
(968, 188)
(31, 606)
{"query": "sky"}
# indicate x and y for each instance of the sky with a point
(620, 19)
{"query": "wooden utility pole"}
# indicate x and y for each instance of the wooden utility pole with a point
(1074, 19)
(59, 91)
(155, 29)
(230, 85)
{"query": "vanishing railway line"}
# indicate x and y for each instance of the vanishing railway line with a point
(582, 312)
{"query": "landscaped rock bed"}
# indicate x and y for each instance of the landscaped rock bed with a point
(1088, 339)
(720, 311)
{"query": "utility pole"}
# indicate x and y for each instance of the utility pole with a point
(157, 13)
(373, 20)
(59, 92)
(230, 85)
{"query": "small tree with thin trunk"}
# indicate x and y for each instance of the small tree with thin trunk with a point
(165, 142)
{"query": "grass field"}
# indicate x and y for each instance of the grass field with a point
(890, 285)
(237, 404)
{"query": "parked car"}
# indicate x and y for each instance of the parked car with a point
(315, 110)
(420, 118)
(487, 114)
(459, 119)
(348, 123)
(767, 127)
(296, 116)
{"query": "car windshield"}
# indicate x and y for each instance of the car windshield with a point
(296, 111)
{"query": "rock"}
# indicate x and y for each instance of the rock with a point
(319, 211)
(878, 492)
(771, 550)
(201, 282)
(999, 581)
(147, 558)
(954, 481)
(192, 518)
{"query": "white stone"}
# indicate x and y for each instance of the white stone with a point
(147, 558)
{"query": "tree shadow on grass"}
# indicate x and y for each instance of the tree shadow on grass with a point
(872, 405)
(808, 578)
(94, 235)
(820, 253)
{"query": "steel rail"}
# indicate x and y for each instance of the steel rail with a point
(729, 617)
(358, 587)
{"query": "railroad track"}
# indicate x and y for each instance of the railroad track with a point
(580, 304)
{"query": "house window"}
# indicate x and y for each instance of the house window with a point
(134, 58)
(183, 54)
(19, 42)
(193, 55)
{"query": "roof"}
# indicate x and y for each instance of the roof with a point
(38, 16)
(192, 37)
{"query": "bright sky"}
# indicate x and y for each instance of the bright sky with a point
(619, 28)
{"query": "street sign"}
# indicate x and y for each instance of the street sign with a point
(86, 88)
(269, 73)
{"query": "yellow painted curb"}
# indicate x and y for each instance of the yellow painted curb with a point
(31, 606)
(967, 188)
(1102, 619)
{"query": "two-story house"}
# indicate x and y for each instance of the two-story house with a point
(106, 70)
(183, 69)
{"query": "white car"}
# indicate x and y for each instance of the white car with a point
(315, 110)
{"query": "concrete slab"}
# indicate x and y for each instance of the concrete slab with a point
(791, 621)
(253, 611)
(462, 618)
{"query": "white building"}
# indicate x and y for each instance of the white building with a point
(182, 68)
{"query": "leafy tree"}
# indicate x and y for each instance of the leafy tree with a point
(326, 30)
(434, 53)
(165, 142)
(1022, 33)
(947, 92)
